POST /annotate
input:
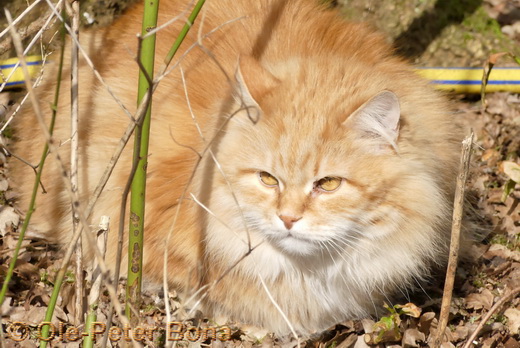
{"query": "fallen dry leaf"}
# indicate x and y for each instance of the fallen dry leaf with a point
(460, 333)
(513, 320)
(8, 217)
(350, 341)
(4, 185)
(503, 252)
(409, 309)
(511, 343)
(425, 322)
(480, 300)
(511, 169)
(413, 338)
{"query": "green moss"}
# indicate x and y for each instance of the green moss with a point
(70, 276)
(512, 243)
(149, 307)
(468, 36)
(474, 318)
(479, 281)
(497, 318)
(480, 22)
(499, 239)
(44, 277)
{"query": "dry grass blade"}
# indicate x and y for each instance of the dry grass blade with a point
(488, 66)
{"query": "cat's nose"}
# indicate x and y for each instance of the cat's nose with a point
(288, 220)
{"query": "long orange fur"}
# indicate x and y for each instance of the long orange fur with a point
(285, 88)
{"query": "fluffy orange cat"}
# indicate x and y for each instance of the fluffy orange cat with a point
(328, 156)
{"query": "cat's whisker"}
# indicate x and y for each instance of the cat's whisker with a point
(352, 242)
(388, 300)
(402, 289)
(218, 219)
(366, 286)
(232, 192)
(351, 263)
(215, 160)
(345, 281)
(188, 103)
(419, 284)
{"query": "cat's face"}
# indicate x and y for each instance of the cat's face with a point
(314, 183)
(300, 206)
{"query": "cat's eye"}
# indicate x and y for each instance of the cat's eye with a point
(328, 184)
(267, 179)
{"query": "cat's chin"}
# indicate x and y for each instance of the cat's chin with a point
(295, 245)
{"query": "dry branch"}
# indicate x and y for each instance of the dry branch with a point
(458, 209)
(508, 296)
(73, 10)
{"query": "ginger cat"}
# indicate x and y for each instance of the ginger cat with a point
(341, 159)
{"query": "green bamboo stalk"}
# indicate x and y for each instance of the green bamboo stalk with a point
(142, 132)
(137, 202)
(32, 203)
(184, 31)
(88, 340)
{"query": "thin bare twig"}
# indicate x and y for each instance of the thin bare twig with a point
(73, 195)
(38, 79)
(458, 209)
(6, 44)
(96, 278)
(120, 236)
(209, 287)
(73, 10)
(163, 71)
(43, 25)
(90, 63)
(130, 129)
(508, 296)
(278, 308)
(178, 208)
(165, 68)
(103, 230)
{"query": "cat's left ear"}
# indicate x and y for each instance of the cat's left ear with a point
(252, 81)
(377, 120)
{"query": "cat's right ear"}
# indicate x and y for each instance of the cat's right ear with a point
(377, 121)
(252, 82)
